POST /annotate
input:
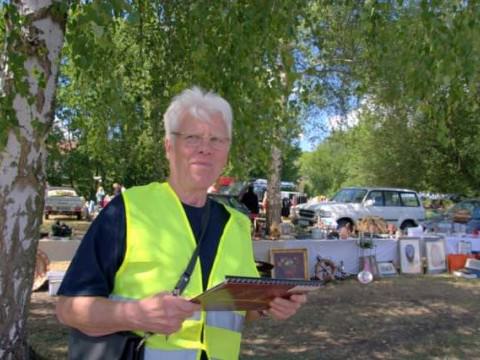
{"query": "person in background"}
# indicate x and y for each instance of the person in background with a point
(122, 277)
(100, 195)
(117, 189)
(250, 199)
(285, 210)
(265, 202)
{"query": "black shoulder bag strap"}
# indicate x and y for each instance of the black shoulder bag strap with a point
(187, 273)
(185, 278)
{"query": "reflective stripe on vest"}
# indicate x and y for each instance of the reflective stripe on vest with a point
(228, 320)
(157, 354)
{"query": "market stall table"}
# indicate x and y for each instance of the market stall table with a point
(451, 242)
(349, 252)
(59, 250)
(337, 250)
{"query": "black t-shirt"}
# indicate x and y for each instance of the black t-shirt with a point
(102, 250)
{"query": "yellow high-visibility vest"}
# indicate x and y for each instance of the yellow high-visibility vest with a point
(159, 245)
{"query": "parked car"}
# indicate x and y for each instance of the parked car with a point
(466, 214)
(401, 207)
(300, 219)
(63, 201)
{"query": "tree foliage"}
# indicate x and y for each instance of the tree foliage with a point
(416, 69)
(113, 108)
(425, 74)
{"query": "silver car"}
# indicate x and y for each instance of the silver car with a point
(63, 201)
(401, 207)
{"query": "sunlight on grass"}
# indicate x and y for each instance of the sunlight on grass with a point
(297, 349)
(471, 285)
(404, 310)
(257, 341)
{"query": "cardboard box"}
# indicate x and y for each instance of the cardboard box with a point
(54, 280)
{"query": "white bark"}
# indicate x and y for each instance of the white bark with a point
(274, 198)
(22, 167)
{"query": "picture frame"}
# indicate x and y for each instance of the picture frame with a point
(369, 262)
(386, 269)
(410, 258)
(464, 247)
(259, 228)
(289, 263)
(435, 255)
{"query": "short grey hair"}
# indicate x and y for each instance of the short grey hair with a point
(200, 104)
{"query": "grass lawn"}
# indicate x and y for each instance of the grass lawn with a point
(405, 317)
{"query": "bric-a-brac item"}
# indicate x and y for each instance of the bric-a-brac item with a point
(365, 276)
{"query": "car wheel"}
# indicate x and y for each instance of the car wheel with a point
(343, 223)
(407, 224)
(79, 216)
(47, 216)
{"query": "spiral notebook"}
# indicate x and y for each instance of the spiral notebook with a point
(247, 293)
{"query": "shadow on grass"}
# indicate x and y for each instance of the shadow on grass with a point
(400, 318)
(422, 317)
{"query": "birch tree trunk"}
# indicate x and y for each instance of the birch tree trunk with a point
(35, 33)
(273, 189)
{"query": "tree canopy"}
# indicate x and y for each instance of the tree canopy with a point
(417, 75)
(110, 110)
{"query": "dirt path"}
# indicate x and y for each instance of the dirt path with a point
(424, 317)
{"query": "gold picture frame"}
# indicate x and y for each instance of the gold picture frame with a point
(289, 263)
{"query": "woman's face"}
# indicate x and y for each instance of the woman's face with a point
(197, 152)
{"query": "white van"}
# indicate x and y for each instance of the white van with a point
(401, 207)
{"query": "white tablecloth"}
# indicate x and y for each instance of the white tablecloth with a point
(348, 251)
(59, 250)
(336, 250)
(451, 242)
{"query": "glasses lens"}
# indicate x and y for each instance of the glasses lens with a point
(216, 143)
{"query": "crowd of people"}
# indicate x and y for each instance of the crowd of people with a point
(102, 198)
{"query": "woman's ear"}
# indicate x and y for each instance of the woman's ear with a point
(168, 147)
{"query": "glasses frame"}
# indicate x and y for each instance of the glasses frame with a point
(195, 140)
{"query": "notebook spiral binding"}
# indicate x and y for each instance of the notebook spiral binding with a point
(270, 281)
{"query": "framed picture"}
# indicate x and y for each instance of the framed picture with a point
(464, 247)
(289, 263)
(259, 228)
(386, 268)
(435, 254)
(369, 263)
(410, 259)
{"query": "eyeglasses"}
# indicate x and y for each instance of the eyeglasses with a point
(194, 140)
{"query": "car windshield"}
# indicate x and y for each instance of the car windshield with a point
(61, 192)
(349, 196)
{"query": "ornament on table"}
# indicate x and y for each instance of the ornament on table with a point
(275, 231)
